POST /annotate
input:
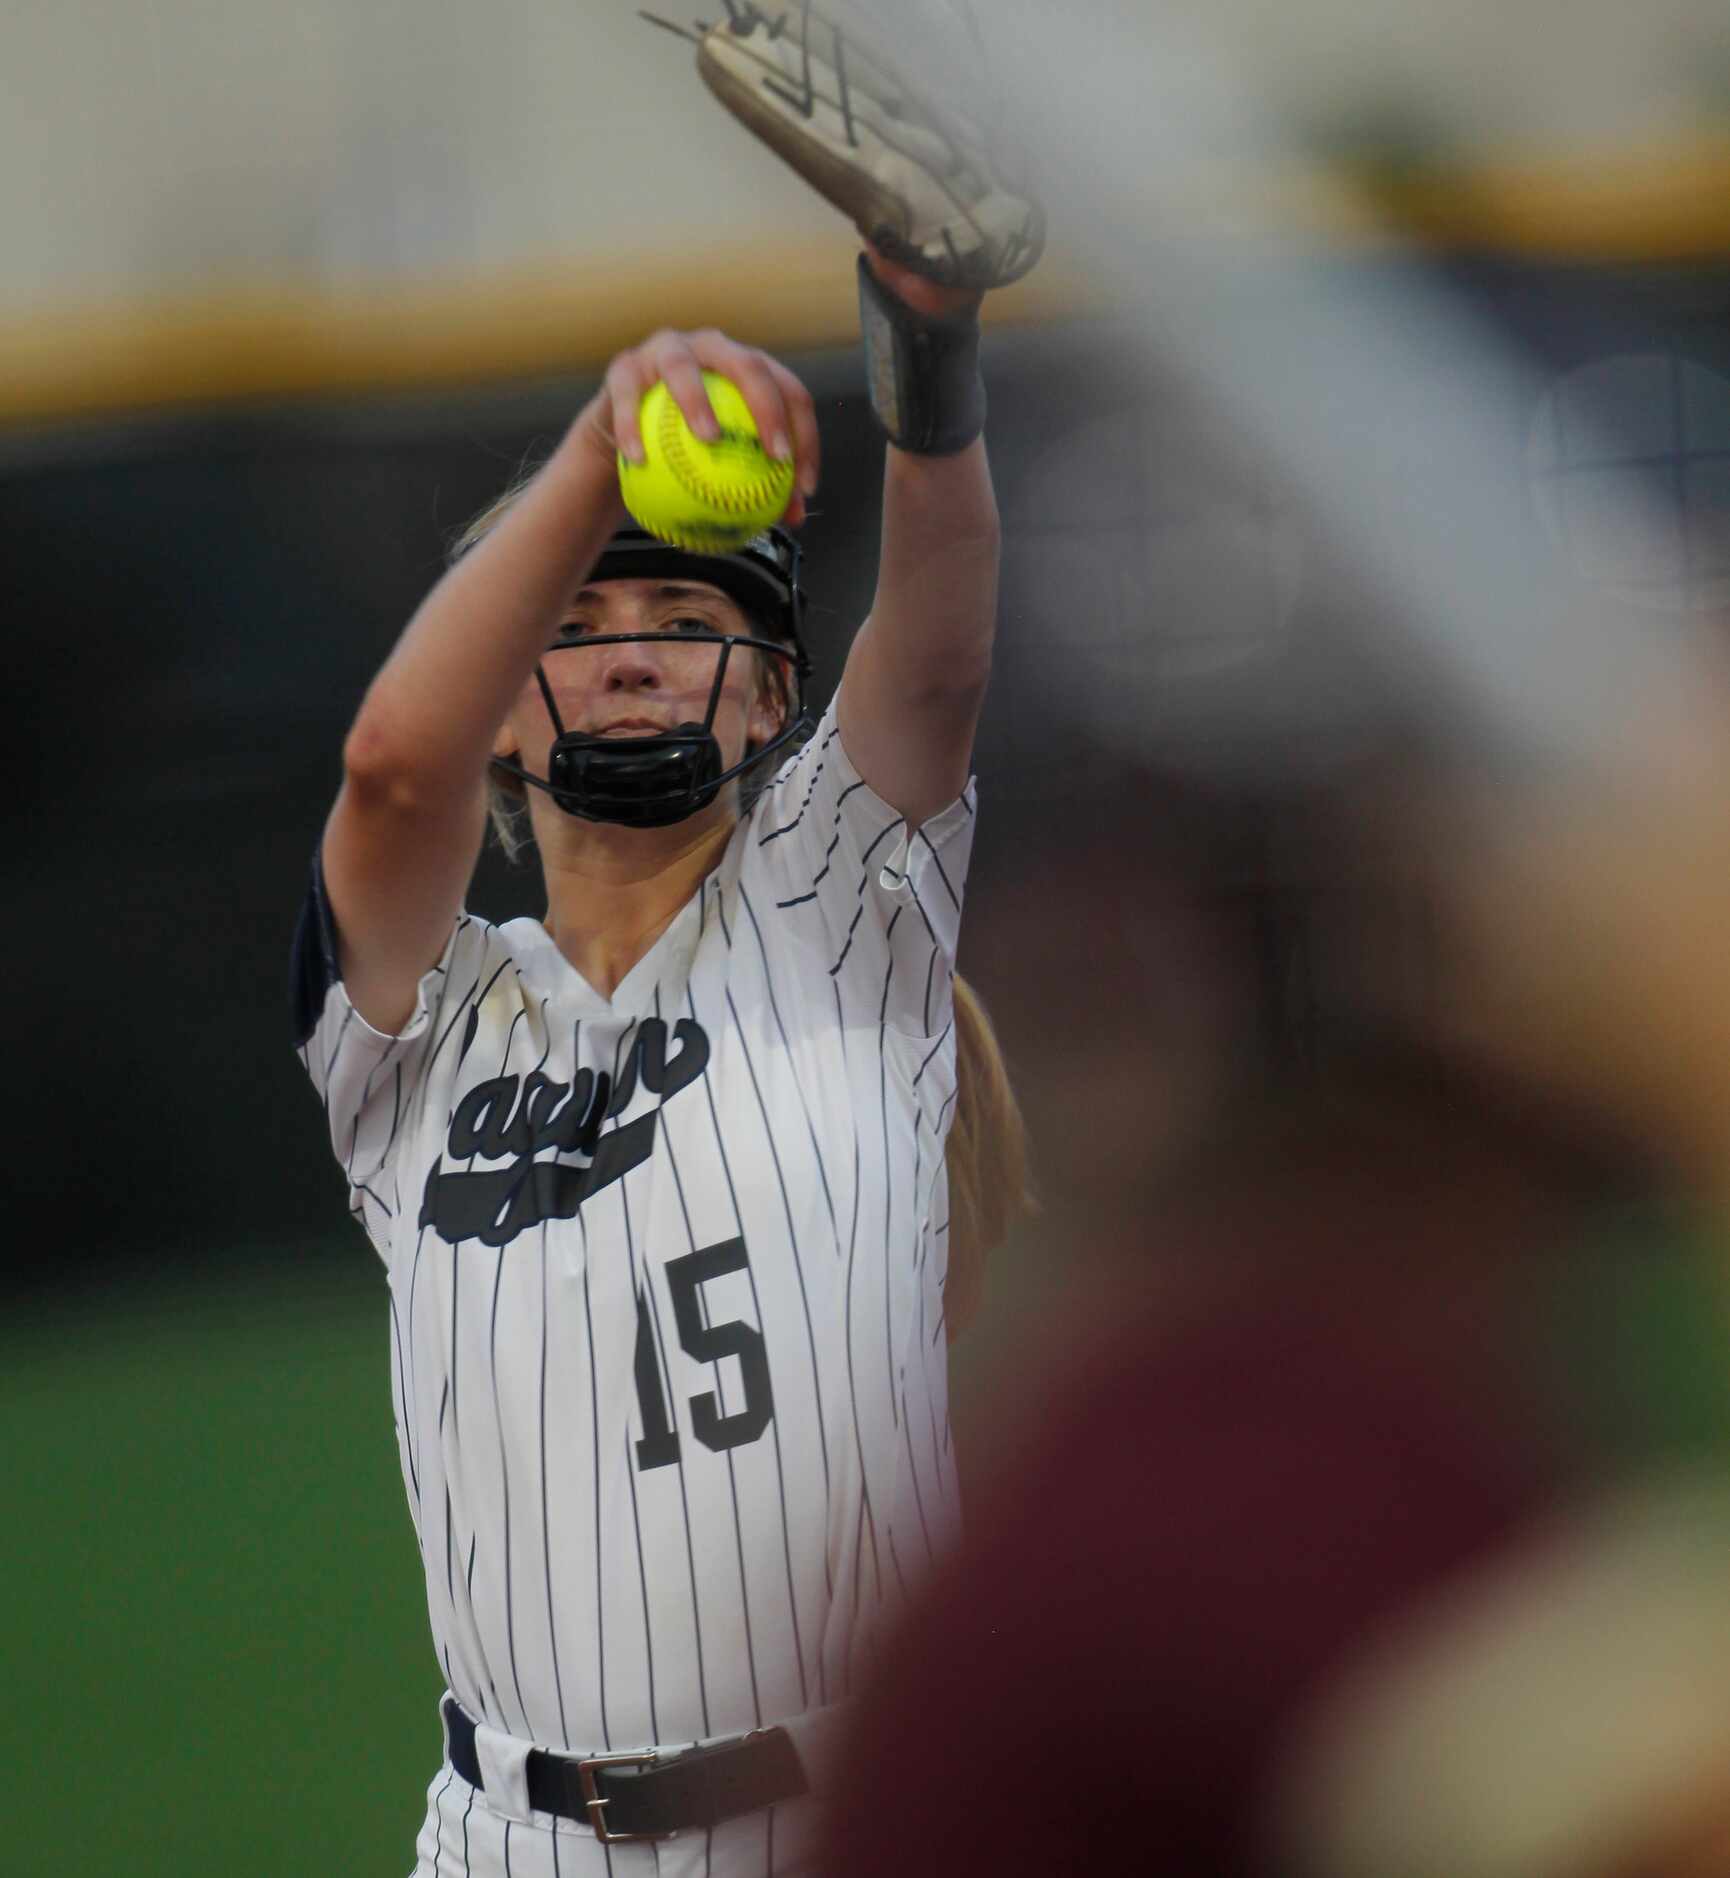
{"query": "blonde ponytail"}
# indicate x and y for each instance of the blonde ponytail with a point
(986, 1157)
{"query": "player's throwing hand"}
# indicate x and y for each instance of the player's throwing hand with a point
(781, 407)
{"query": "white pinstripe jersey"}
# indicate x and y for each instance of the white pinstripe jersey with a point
(666, 1275)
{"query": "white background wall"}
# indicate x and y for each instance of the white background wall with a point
(153, 147)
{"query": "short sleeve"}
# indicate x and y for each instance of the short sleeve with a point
(367, 1081)
(881, 903)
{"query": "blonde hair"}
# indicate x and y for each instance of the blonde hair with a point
(986, 1158)
(507, 796)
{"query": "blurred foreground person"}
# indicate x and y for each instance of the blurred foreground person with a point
(1391, 1539)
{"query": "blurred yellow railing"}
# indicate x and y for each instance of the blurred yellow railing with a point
(255, 340)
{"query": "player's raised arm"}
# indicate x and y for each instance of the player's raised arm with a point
(914, 155)
(916, 673)
(403, 837)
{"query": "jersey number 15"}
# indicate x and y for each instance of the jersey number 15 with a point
(708, 1343)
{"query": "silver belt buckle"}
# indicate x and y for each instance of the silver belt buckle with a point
(594, 1804)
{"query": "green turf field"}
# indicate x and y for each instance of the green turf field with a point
(216, 1642)
(216, 1645)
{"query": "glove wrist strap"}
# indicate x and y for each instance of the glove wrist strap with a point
(922, 373)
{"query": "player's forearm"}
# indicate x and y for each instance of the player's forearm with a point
(915, 679)
(935, 609)
(430, 716)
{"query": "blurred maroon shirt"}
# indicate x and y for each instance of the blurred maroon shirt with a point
(1215, 1511)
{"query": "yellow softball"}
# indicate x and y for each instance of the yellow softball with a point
(707, 497)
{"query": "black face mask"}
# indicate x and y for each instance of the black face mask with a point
(653, 781)
(639, 782)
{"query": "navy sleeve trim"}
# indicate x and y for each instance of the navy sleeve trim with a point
(313, 965)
